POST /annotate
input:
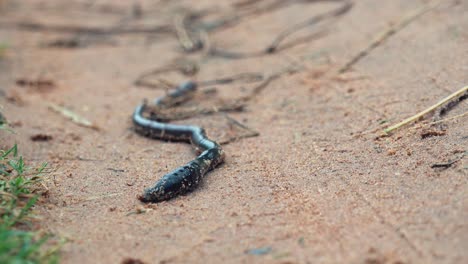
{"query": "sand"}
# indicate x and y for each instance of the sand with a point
(318, 185)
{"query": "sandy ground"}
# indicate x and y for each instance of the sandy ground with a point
(316, 186)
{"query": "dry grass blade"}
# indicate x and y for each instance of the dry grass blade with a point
(428, 110)
(74, 117)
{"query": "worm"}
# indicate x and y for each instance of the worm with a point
(187, 177)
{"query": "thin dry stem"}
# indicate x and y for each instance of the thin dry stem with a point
(382, 37)
(426, 111)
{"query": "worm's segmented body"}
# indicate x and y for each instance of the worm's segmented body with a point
(186, 177)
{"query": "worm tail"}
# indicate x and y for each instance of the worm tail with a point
(185, 178)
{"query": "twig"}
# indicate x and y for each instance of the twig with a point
(163, 114)
(84, 40)
(116, 170)
(426, 125)
(428, 110)
(191, 68)
(79, 120)
(273, 46)
(239, 13)
(314, 20)
(261, 86)
(450, 105)
(234, 121)
(388, 33)
(186, 67)
(448, 164)
(186, 39)
(34, 26)
(246, 77)
(250, 132)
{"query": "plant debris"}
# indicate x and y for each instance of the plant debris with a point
(181, 113)
(432, 133)
(74, 117)
(41, 137)
(132, 261)
(78, 29)
(39, 84)
(453, 96)
(249, 132)
(188, 38)
(77, 42)
(183, 66)
(382, 37)
(450, 105)
(273, 47)
(116, 170)
(446, 165)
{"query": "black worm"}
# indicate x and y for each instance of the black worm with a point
(187, 177)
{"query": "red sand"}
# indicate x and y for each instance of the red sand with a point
(316, 186)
